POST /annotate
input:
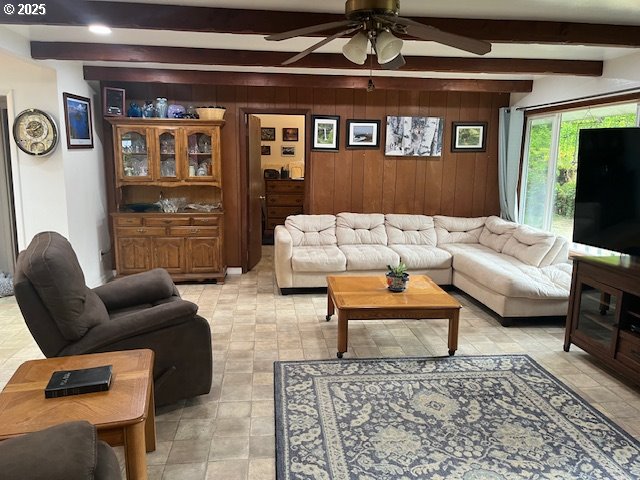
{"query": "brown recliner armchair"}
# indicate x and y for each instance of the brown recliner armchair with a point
(69, 451)
(144, 310)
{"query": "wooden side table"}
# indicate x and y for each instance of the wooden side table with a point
(124, 415)
(367, 298)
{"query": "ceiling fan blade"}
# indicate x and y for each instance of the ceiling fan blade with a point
(300, 32)
(395, 64)
(427, 32)
(322, 42)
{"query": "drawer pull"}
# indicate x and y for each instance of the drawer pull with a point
(141, 230)
(195, 230)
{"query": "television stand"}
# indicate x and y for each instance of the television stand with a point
(604, 312)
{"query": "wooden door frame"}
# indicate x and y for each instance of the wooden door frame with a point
(244, 168)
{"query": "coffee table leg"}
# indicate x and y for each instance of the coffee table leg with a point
(150, 423)
(330, 306)
(453, 331)
(343, 332)
(134, 451)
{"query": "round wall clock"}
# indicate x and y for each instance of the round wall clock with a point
(35, 132)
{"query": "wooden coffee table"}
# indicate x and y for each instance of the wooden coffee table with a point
(367, 298)
(124, 415)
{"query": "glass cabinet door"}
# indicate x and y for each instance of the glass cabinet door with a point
(167, 149)
(598, 314)
(135, 155)
(200, 155)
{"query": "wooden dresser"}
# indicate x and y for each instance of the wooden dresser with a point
(283, 197)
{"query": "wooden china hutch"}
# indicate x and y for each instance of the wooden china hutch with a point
(169, 210)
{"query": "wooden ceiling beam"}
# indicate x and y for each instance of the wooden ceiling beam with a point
(247, 79)
(262, 22)
(209, 56)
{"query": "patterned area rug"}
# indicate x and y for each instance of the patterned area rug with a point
(470, 418)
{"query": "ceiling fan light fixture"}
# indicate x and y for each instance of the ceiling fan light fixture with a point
(356, 49)
(387, 47)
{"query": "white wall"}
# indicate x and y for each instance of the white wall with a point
(87, 210)
(621, 73)
(65, 191)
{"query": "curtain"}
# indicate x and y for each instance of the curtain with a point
(510, 128)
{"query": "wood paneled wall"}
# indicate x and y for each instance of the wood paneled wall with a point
(462, 184)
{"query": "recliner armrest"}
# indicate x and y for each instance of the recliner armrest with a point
(144, 287)
(63, 452)
(283, 252)
(135, 323)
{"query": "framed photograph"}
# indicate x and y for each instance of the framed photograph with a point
(113, 102)
(77, 120)
(469, 137)
(414, 136)
(265, 150)
(363, 134)
(268, 134)
(289, 134)
(326, 133)
(288, 151)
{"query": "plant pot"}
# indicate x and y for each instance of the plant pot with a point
(397, 284)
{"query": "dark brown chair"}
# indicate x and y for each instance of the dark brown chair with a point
(144, 310)
(69, 451)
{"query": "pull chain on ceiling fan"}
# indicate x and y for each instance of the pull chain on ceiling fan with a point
(375, 21)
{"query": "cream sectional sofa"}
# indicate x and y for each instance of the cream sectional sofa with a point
(515, 270)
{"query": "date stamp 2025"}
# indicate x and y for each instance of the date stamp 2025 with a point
(25, 9)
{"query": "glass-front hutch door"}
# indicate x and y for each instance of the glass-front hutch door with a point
(201, 145)
(598, 314)
(133, 153)
(167, 148)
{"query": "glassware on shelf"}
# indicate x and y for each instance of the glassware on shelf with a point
(161, 107)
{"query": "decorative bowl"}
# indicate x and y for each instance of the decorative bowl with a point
(211, 113)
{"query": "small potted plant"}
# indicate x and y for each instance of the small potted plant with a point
(397, 277)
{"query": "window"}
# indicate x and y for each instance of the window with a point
(550, 162)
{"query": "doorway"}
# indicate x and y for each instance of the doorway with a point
(8, 236)
(285, 157)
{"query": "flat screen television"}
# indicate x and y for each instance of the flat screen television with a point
(607, 211)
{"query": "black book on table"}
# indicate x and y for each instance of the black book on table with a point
(76, 382)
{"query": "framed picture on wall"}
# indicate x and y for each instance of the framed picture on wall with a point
(113, 102)
(268, 134)
(290, 134)
(469, 137)
(265, 150)
(326, 132)
(77, 120)
(363, 134)
(414, 136)
(288, 151)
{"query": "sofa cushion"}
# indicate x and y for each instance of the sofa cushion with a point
(529, 245)
(360, 229)
(321, 258)
(308, 230)
(510, 277)
(496, 233)
(458, 229)
(53, 269)
(369, 257)
(410, 230)
(558, 253)
(421, 257)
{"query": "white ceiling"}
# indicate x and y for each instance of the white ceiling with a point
(589, 11)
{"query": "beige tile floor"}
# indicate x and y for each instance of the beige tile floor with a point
(229, 433)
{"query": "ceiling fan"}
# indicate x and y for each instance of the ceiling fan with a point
(375, 21)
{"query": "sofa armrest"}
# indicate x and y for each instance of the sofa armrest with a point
(64, 452)
(136, 323)
(283, 253)
(137, 289)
